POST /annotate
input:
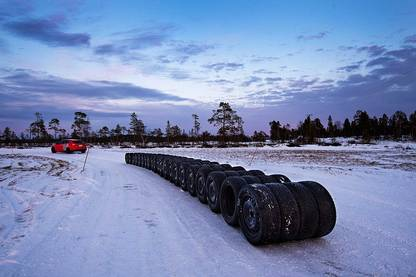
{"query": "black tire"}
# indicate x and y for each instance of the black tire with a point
(226, 166)
(228, 198)
(258, 214)
(266, 179)
(251, 179)
(137, 159)
(241, 172)
(191, 182)
(308, 210)
(255, 172)
(326, 206)
(289, 211)
(238, 168)
(201, 179)
(183, 178)
(53, 150)
(174, 173)
(183, 172)
(68, 151)
(280, 178)
(213, 188)
(83, 151)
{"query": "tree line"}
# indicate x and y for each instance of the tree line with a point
(230, 128)
(397, 126)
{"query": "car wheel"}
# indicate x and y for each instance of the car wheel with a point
(53, 149)
(259, 214)
(68, 151)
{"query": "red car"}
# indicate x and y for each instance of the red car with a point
(69, 146)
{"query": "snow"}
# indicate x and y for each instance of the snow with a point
(115, 219)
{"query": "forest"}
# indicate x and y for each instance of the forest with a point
(230, 130)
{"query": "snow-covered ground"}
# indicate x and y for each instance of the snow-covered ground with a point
(115, 219)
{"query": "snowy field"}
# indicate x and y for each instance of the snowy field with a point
(115, 219)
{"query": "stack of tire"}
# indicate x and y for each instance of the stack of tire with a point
(268, 208)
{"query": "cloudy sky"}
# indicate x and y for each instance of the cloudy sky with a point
(272, 60)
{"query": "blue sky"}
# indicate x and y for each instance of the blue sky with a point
(272, 60)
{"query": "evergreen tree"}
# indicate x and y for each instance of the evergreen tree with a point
(175, 132)
(412, 124)
(275, 130)
(259, 136)
(137, 128)
(123, 130)
(157, 133)
(239, 131)
(383, 123)
(319, 129)
(7, 134)
(117, 132)
(168, 131)
(81, 126)
(54, 125)
(399, 124)
(337, 128)
(62, 133)
(103, 132)
(227, 120)
(331, 127)
(374, 127)
(197, 125)
(205, 136)
(307, 130)
(37, 128)
(362, 124)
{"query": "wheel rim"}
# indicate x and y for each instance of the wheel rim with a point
(182, 176)
(212, 191)
(200, 185)
(191, 181)
(251, 217)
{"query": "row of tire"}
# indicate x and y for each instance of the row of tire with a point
(268, 208)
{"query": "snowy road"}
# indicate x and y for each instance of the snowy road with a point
(120, 220)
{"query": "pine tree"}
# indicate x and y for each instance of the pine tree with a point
(37, 128)
(259, 136)
(331, 127)
(117, 132)
(54, 125)
(175, 131)
(412, 124)
(399, 124)
(137, 128)
(168, 131)
(384, 125)
(275, 130)
(103, 132)
(374, 127)
(157, 133)
(7, 134)
(362, 124)
(81, 126)
(227, 120)
(197, 125)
